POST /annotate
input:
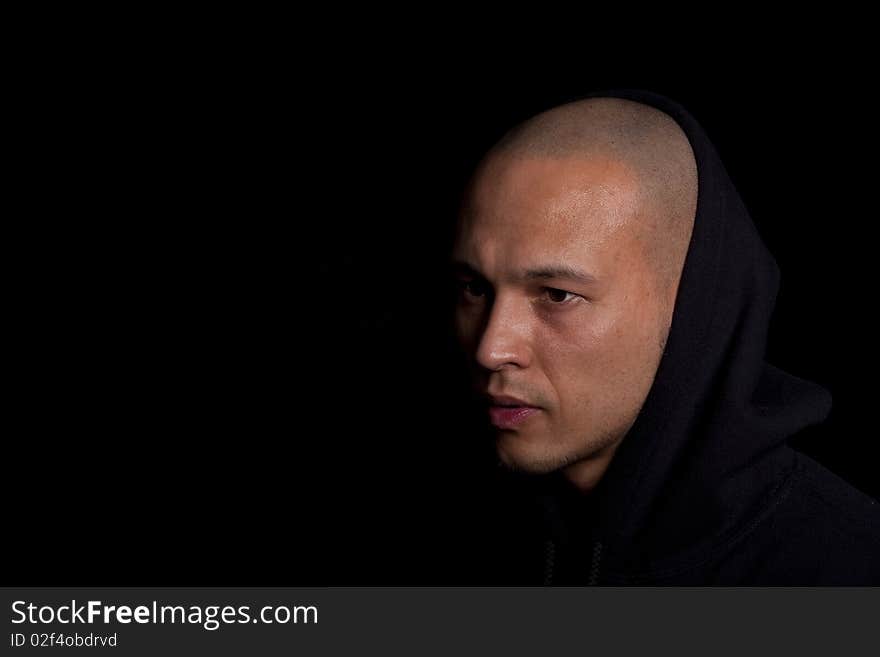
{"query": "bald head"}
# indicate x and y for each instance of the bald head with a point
(644, 141)
(568, 256)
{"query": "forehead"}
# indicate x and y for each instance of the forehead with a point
(564, 206)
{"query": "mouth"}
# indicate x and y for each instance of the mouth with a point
(509, 412)
(509, 417)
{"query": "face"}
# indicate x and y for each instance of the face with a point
(559, 309)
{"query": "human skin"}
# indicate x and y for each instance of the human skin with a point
(584, 351)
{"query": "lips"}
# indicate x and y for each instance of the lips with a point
(506, 412)
(509, 417)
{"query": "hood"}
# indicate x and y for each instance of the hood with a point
(708, 447)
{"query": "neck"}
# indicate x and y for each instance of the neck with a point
(586, 473)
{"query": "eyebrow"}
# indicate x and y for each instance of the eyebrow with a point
(544, 272)
(559, 271)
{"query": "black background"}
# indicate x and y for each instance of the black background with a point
(229, 306)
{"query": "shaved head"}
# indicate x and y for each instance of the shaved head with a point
(644, 141)
(571, 243)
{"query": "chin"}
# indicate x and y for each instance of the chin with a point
(519, 456)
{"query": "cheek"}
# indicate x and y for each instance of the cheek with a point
(605, 358)
(578, 360)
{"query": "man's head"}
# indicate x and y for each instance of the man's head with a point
(569, 251)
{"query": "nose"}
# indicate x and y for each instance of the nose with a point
(506, 336)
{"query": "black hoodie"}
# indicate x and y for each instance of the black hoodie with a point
(704, 488)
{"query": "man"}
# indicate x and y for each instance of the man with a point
(614, 304)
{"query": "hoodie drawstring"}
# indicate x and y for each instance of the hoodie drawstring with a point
(550, 562)
(595, 561)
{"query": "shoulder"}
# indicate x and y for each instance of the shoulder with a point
(851, 509)
(828, 525)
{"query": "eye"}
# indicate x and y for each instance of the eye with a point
(473, 288)
(559, 297)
